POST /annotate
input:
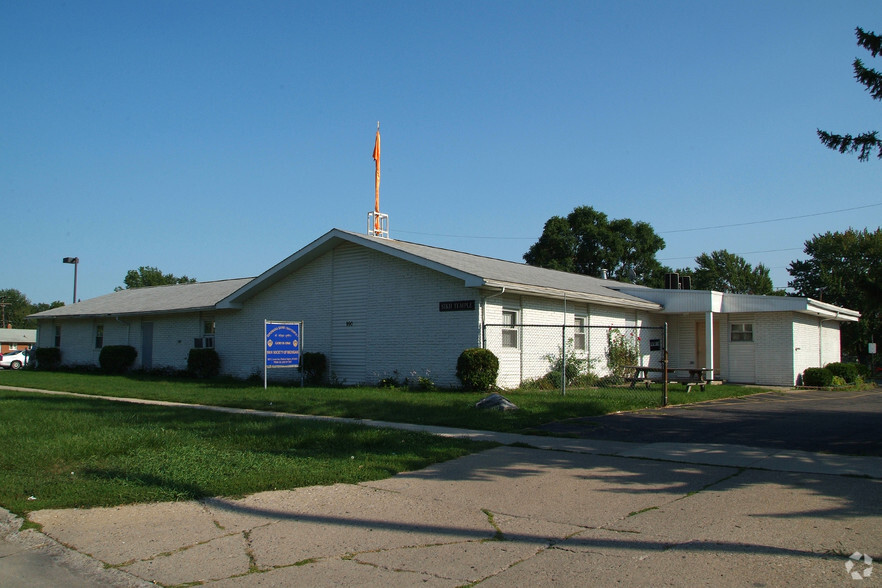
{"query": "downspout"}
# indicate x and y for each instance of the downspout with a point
(821, 339)
(709, 345)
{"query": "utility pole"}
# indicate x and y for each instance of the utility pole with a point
(3, 305)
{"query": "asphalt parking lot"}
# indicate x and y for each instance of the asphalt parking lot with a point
(845, 423)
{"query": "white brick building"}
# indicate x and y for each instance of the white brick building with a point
(377, 307)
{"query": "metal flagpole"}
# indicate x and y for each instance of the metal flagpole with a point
(377, 183)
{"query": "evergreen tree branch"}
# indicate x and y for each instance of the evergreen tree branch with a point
(869, 78)
(863, 144)
(869, 41)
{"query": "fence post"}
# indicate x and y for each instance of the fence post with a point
(563, 362)
(665, 365)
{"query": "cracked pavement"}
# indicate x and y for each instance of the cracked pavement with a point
(509, 516)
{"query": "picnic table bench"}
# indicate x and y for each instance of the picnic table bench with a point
(695, 377)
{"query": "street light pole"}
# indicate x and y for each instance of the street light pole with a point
(76, 262)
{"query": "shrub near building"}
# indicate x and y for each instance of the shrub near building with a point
(834, 374)
(117, 359)
(852, 373)
(313, 365)
(48, 358)
(477, 369)
(817, 377)
(203, 363)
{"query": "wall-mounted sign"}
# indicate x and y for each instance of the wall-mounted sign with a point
(456, 305)
(283, 342)
(655, 344)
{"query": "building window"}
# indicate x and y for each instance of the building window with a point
(509, 328)
(579, 335)
(99, 336)
(741, 332)
(58, 335)
(208, 334)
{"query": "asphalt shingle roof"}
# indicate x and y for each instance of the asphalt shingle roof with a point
(498, 271)
(475, 270)
(150, 300)
(18, 335)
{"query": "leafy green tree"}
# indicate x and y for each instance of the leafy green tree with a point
(726, 272)
(865, 143)
(150, 276)
(587, 242)
(16, 306)
(845, 269)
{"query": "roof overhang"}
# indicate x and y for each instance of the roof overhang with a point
(831, 312)
(529, 290)
(114, 315)
(700, 301)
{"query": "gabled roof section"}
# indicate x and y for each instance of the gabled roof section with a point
(151, 300)
(476, 271)
(28, 336)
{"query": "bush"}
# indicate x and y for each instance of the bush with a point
(477, 369)
(117, 359)
(820, 377)
(421, 383)
(622, 351)
(48, 358)
(313, 365)
(577, 367)
(203, 363)
(389, 381)
(850, 372)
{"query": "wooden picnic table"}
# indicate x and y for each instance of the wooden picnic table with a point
(695, 378)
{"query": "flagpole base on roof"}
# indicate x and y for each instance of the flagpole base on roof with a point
(378, 224)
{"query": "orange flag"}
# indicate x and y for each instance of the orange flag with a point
(377, 179)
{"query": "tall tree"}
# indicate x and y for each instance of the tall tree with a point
(150, 276)
(845, 269)
(726, 272)
(865, 143)
(587, 242)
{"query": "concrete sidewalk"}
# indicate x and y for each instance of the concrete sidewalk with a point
(563, 511)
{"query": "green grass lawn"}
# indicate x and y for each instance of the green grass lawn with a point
(65, 452)
(444, 408)
(79, 452)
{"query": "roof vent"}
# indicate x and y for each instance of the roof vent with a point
(672, 281)
(604, 274)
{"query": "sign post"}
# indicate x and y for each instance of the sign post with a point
(283, 341)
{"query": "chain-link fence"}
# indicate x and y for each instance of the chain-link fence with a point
(618, 359)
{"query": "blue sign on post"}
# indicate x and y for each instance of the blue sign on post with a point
(283, 343)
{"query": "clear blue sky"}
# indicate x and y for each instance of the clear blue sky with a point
(213, 139)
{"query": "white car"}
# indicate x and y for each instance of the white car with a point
(14, 359)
